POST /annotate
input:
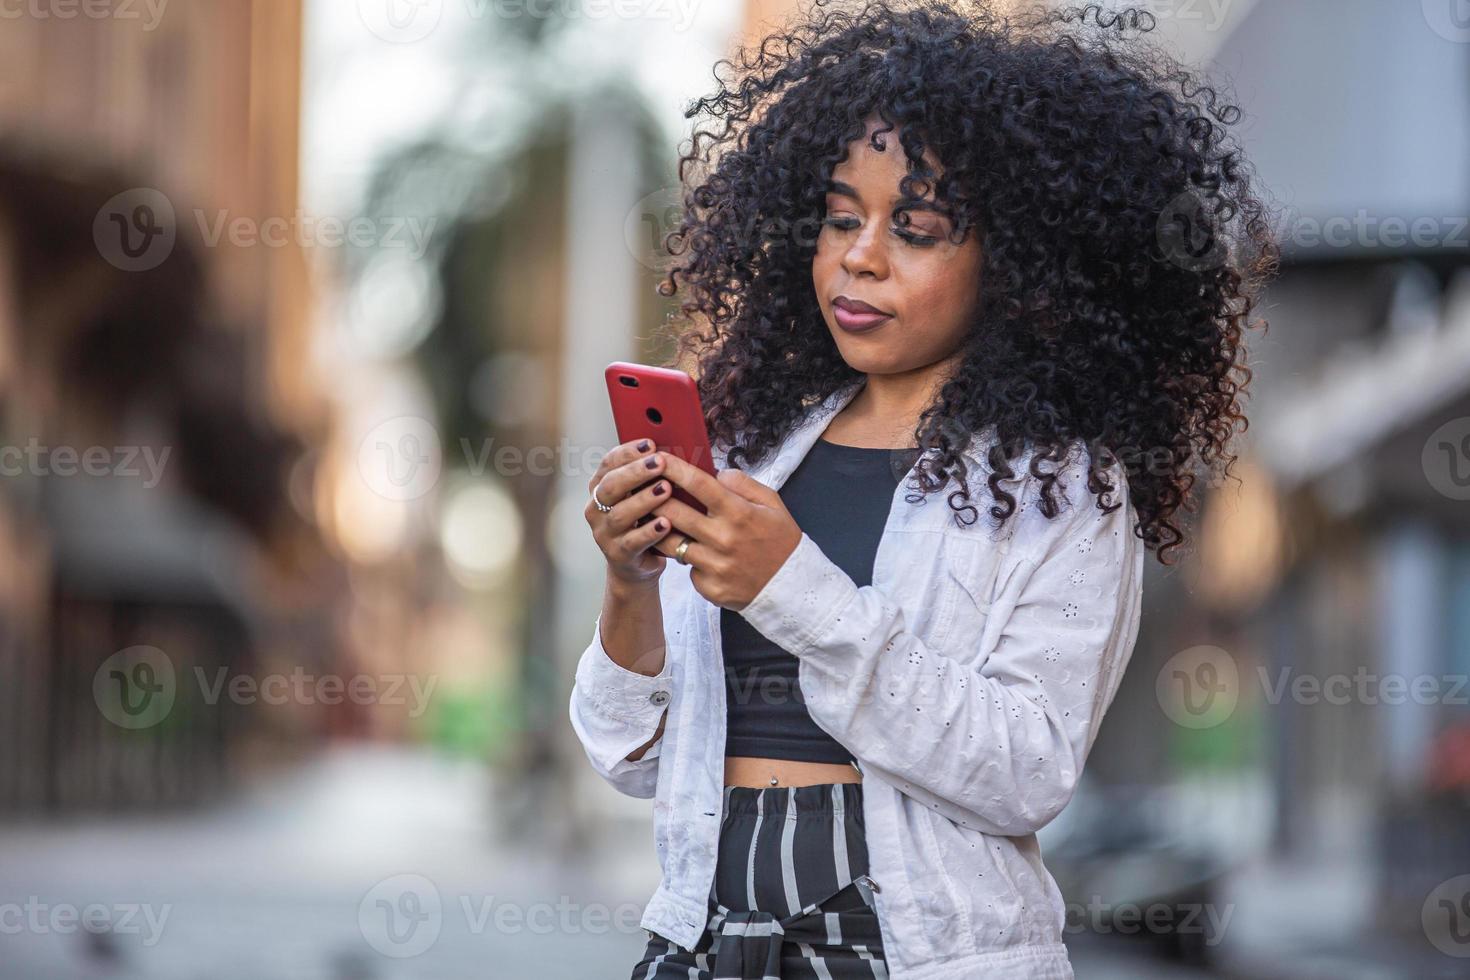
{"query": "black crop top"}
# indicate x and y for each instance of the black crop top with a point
(840, 496)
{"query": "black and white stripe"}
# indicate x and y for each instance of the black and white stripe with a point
(789, 897)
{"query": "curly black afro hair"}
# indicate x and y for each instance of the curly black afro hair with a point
(1123, 249)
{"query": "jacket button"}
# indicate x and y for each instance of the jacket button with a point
(659, 697)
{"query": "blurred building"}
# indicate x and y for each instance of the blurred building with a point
(202, 103)
(1332, 578)
(138, 331)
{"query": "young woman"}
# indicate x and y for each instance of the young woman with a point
(971, 293)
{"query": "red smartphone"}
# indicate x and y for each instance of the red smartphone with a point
(661, 404)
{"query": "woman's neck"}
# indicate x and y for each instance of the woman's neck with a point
(885, 411)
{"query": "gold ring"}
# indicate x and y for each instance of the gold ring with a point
(679, 551)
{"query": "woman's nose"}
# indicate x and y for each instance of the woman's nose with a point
(866, 253)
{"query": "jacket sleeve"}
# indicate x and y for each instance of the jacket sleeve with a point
(999, 748)
(613, 711)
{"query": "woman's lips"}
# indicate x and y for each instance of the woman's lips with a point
(857, 317)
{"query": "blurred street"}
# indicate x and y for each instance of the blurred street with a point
(275, 885)
(285, 882)
(294, 859)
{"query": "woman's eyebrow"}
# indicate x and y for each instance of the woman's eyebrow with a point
(847, 190)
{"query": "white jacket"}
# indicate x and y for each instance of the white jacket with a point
(968, 681)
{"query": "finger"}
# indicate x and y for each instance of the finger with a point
(623, 480)
(705, 488)
(628, 545)
(688, 520)
(625, 513)
(619, 455)
(746, 486)
(693, 555)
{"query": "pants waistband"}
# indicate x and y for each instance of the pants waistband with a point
(815, 798)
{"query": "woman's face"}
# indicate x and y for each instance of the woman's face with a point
(925, 284)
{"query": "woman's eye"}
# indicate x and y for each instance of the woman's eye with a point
(843, 224)
(923, 241)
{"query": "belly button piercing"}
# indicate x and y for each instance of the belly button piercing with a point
(773, 780)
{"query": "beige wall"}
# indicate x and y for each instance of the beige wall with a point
(203, 104)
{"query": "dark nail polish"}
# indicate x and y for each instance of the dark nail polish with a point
(643, 446)
(651, 462)
(660, 525)
(659, 489)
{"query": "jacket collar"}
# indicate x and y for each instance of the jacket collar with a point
(778, 465)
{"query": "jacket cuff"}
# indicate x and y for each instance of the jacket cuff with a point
(794, 608)
(622, 695)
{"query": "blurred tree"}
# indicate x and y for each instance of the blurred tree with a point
(494, 188)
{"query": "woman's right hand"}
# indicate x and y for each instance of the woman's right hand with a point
(627, 548)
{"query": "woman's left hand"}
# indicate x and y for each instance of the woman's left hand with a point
(747, 535)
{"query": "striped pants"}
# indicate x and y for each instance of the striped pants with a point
(790, 898)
